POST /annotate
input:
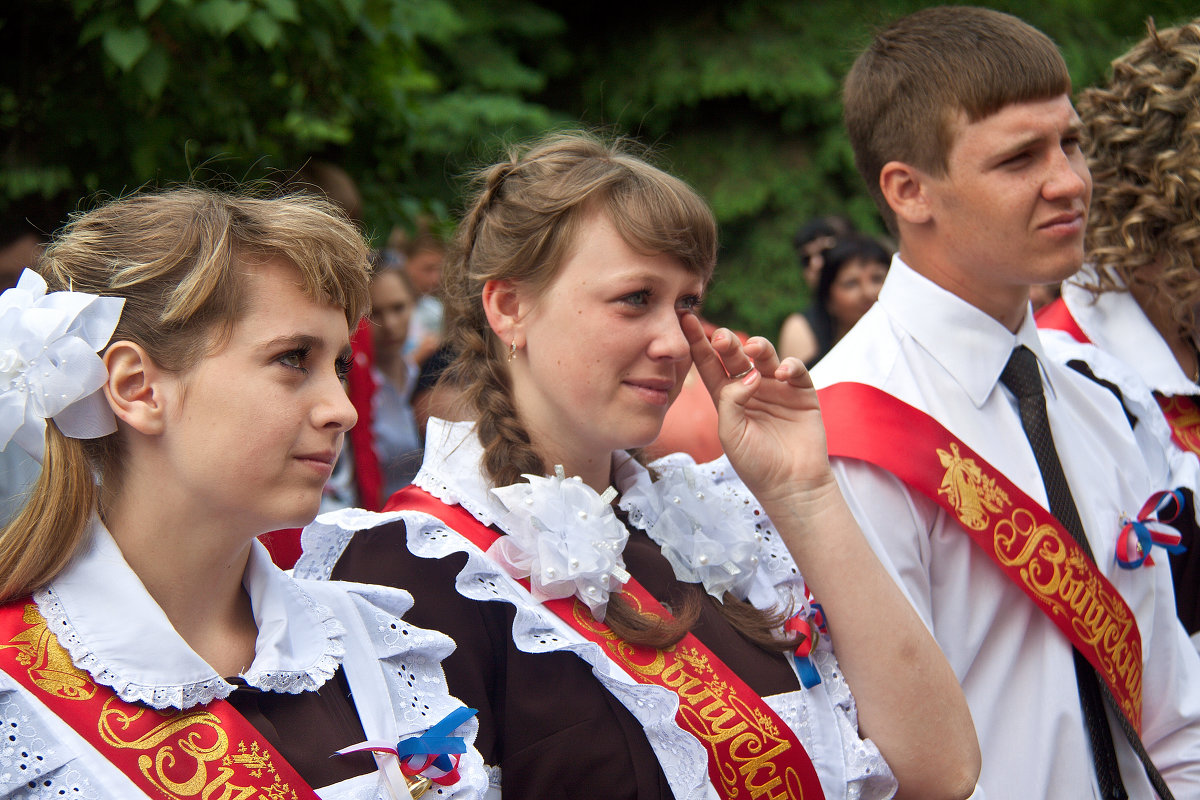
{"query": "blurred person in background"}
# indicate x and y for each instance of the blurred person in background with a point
(811, 242)
(424, 254)
(848, 286)
(396, 441)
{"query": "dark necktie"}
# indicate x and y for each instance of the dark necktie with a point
(1023, 379)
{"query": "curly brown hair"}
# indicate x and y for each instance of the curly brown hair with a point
(1142, 135)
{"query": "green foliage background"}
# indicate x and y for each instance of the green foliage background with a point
(738, 97)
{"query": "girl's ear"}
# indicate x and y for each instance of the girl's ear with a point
(502, 305)
(135, 388)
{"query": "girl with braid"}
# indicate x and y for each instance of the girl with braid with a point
(630, 630)
(181, 382)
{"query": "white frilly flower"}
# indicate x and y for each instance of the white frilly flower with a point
(702, 531)
(48, 363)
(563, 537)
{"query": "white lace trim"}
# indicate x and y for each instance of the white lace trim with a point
(536, 630)
(326, 665)
(186, 695)
(415, 685)
(448, 474)
(160, 697)
(413, 692)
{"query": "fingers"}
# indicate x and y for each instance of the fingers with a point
(793, 372)
(707, 362)
(724, 359)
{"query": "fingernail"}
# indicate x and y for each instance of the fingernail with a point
(750, 378)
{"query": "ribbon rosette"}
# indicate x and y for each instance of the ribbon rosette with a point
(48, 363)
(563, 537)
(702, 532)
(1150, 528)
(431, 757)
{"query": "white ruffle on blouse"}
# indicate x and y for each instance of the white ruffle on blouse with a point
(824, 717)
(113, 629)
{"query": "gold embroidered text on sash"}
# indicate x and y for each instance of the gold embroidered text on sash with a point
(743, 741)
(1021, 537)
(176, 754)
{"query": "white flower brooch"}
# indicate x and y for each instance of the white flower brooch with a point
(563, 537)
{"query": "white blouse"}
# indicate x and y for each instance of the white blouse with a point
(113, 629)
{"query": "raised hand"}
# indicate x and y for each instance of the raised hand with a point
(769, 419)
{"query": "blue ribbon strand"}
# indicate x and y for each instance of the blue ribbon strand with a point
(437, 742)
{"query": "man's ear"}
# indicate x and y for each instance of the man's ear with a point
(135, 389)
(502, 303)
(906, 190)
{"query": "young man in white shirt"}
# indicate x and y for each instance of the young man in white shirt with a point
(963, 128)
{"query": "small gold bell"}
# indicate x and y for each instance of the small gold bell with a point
(418, 785)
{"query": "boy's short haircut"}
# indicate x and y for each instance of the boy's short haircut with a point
(905, 91)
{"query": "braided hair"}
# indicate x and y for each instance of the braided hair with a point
(520, 224)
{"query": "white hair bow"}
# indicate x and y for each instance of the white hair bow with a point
(49, 367)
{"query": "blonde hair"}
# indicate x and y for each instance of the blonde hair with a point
(1142, 139)
(904, 92)
(179, 259)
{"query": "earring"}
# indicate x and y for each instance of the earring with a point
(512, 351)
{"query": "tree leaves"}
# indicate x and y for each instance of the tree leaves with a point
(125, 46)
(739, 97)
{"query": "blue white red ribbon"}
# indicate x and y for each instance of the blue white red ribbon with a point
(1150, 528)
(433, 755)
(807, 633)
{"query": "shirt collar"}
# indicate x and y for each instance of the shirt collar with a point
(114, 630)
(971, 346)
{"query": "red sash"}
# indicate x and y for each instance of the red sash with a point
(1057, 317)
(1184, 418)
(1029, 545)
(209, 752)
(752, 753)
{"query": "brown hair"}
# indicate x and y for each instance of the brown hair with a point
(520, 225)
(905, 91)
(1142, 140)
(423, 237)
(179, 259)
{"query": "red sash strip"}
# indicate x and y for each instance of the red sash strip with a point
(1184, 418)
(208, 752)
(752, 753)
(1023, 539)
(1057, 317)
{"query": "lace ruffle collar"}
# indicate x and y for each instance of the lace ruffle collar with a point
(564, 536)
(113, 629)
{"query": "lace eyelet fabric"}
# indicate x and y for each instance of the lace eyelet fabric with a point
(32, 767)
(451, 475)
